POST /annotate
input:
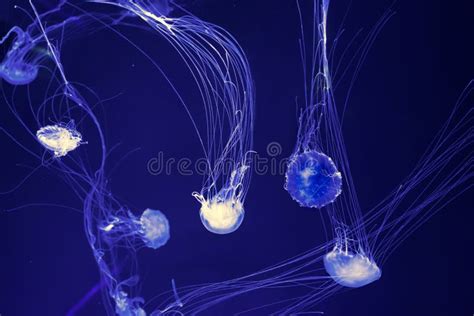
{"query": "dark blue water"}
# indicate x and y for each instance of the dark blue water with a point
(412, 77)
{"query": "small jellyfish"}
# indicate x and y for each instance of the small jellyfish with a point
(154, 228)
(351, 270)
(19, 74)
(223, 213)
(312, 179)
(222, 217)
(60, 139)
(18, 68)
(125, 306)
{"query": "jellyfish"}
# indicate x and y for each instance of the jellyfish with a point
(313, 180)
(222, 75)
(20, 66)
(351, 269)
(114, 232)
(60, 139)
(155, 228)
(315, 169)
(126, 306)
(312, 177)
(359, 242)
(151, 228)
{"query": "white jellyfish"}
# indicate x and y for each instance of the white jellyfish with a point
(154, 228)
(351, 269)
(60, 139)
(221, 217)
(222, 76)
(224, 212)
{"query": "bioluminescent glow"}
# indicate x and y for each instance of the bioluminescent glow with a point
(222, 75)
(19, 66)
(152, 228)
(114, 231)
(65, 113)
(313, 180)
(60, 139)
(361, 241)
(155, 229)
(349, 269)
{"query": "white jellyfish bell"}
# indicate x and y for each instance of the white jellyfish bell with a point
(60, 139)
(351, 269)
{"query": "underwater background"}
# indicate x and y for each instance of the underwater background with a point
(408, 85)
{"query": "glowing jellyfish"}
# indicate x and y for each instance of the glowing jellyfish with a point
(154, 228)
(126, 306)
(19, 66)
(222, 217)
(350, 269)
(362, 241)
(312, 176)
(115, 244)
(115, 234)
(313, 180)
(60, 139)
(223, 78)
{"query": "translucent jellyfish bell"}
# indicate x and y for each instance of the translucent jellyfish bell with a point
(154, 228)
(59, 139)
(351, 270)
(125, 306)
(18, 74)
(14, 68)
(312, 179)
(221, 217)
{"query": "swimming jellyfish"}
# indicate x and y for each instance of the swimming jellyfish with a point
(152, 228)
(60, 138)
(361, 242)
(114, 233)
(223, 78)
(224, 213)
(351, 269)
(312, 177)
(19, 66)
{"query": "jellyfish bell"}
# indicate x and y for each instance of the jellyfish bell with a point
(223, 212)
(154, 228)
(221, 216)
(125, 306)
(16, 68)
(60, 139)
(18, 74)
(312, 179)
(350, 269)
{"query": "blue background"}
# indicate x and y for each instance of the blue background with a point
(413, 75)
